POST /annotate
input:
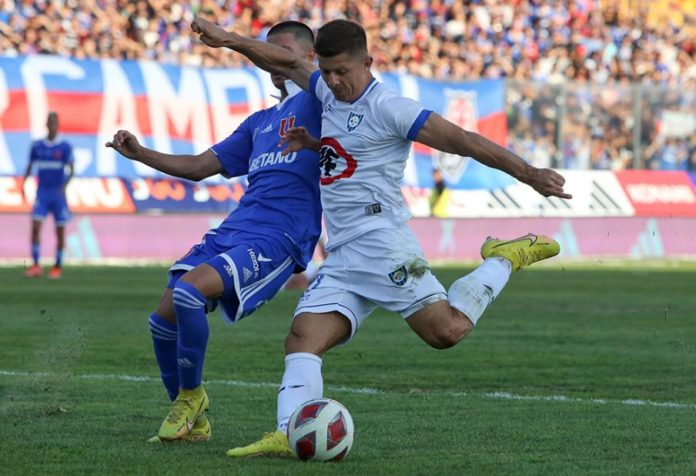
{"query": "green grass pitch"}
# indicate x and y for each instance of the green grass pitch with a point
(573, 370)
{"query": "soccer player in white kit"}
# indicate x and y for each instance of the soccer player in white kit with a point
(374, 259)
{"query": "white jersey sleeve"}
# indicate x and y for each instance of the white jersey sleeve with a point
(402, 116)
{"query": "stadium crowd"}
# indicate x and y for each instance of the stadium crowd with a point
(603, 48)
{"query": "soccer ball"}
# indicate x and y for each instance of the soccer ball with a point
(321, 430)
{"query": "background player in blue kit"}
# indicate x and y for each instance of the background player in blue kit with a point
(53, 160)
(242, 263)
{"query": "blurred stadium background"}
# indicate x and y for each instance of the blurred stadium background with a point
(605, 91)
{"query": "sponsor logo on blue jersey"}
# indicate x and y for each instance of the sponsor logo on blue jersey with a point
(271, 158)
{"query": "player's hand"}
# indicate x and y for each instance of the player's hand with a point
(549, 183)
(296, 139)
(210, 33)
(125, 144)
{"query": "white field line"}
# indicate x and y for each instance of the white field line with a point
(368, 390)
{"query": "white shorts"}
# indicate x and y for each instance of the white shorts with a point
(382, 268)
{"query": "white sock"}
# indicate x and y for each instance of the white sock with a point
(302, 381)
(473, 293)
(312, 270)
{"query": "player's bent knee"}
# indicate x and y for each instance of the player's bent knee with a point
(447, 337)
(450, 331)
(205, 279)
(165, 308)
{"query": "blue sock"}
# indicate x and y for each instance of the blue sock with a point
(189, 304)
(35, 248)
(164, 337)
(59, 258)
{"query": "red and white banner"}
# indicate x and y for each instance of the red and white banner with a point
(659, 193)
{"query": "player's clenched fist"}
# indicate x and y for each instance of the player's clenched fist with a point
(125, 144)
(210, 33)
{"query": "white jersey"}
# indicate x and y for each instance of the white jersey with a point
(364, 148)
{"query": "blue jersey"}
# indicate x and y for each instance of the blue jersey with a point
(49, 159)
(282, 199)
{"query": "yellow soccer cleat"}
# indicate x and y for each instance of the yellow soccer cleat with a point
(272, 444)
(188, 406)
(201, 431)
(521, 251)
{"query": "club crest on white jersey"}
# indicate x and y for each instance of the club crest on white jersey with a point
(354, 120)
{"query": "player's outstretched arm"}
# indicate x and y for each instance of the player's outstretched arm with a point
(441, 134)
(269, 57)
(191, 167)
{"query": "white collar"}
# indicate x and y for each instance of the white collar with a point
(292, 89)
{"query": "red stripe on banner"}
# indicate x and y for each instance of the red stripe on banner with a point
(80, 113)
(658, 193)
(493, 127)
(16, 116)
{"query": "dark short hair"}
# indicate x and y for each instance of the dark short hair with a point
(341, 36)
(301, 31)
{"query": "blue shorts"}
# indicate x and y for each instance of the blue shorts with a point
(253, 270)
(54, 204)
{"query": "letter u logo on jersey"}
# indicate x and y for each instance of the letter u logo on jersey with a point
(285, 124)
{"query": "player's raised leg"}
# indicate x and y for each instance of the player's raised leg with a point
(311, 335)
(445, 323)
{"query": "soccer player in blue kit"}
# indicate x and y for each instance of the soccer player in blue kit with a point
(53, 160)
(242, 263)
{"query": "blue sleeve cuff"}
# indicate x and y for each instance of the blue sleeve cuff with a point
(313, 83)
(418, 124)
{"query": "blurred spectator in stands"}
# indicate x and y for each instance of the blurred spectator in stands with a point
(691, 164)
(441, 39)
(668, 153)
(436, 193)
